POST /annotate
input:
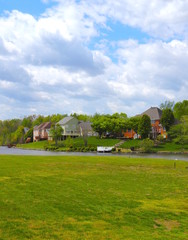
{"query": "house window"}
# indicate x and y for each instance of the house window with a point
(152, 121)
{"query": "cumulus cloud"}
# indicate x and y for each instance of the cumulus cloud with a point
(49, 64)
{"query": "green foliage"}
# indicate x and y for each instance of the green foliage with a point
(56, 132)
(147, 145)
(182, 136)
(69, 142)
(144, 126)
(133, 123)
(181, 109)
(29, 134)
(18, 135)
(27, 121)
(109, 124)
(167, 118)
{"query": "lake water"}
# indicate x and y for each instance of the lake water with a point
(17, 151)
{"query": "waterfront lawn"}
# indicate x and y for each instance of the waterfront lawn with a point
(76, 142)
(129, 143)
(171, 147)
(93, 141)
(33, 145)
(92, 198)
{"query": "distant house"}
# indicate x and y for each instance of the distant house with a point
(155, 115)
(156, 128)
(41, 132)
(86, 129)
(70, 127)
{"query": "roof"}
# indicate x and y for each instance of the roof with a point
(154, 113)
(65, 120)
(45, 125)
(85, 126)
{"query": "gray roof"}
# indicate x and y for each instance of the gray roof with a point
(65, 120)
(45, 125)
(154, 113)
(85, 126)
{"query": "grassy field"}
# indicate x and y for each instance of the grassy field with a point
(92, 198)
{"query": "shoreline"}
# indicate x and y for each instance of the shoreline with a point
(115, 153)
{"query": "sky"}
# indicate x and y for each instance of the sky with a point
(88, 56)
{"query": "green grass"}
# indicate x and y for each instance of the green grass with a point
(171, 147)
(95, 141)
(77, 142)
(33, 145)
(92, 198)
(131, 143)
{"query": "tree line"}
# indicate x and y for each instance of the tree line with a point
(108, 125)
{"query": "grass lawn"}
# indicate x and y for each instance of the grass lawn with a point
(92, 198)
(78, 142)
(131, 143)
(33, 145)
(171, 147)
(95, 141)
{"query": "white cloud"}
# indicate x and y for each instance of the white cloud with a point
(47, 64)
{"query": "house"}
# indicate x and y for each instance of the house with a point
(41, 132)
(155, 115)
(156, 128)
(86, 129)
(70, 127)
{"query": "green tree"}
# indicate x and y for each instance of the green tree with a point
(29, 134)
(56, 132)
(18, 135)
(144, 126)
(133, 123)
(167, 118)
(181, 109)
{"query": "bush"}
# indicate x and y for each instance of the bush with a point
(147, 145)
(160, 138)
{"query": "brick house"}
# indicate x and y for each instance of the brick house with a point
(41, 132)
(156, 127)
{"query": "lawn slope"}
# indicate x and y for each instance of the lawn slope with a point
(92, 198)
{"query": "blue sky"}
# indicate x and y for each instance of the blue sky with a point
(103, 56)
(34, 7)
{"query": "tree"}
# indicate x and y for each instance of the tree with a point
(144, 126)
(101, 124)
(181, 109)
(133, 123)
(29, 134)
(56, 132)
(167, 118)
(167, 105)
(179, 132)
(18, 135)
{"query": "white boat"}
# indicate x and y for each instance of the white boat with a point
(104, 149)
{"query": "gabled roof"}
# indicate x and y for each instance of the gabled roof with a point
(85, 126)
(65, 120)
(154, 113)
(45, 125)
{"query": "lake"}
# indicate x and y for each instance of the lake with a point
(17, 151)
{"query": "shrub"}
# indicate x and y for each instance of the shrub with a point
(146, 145)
